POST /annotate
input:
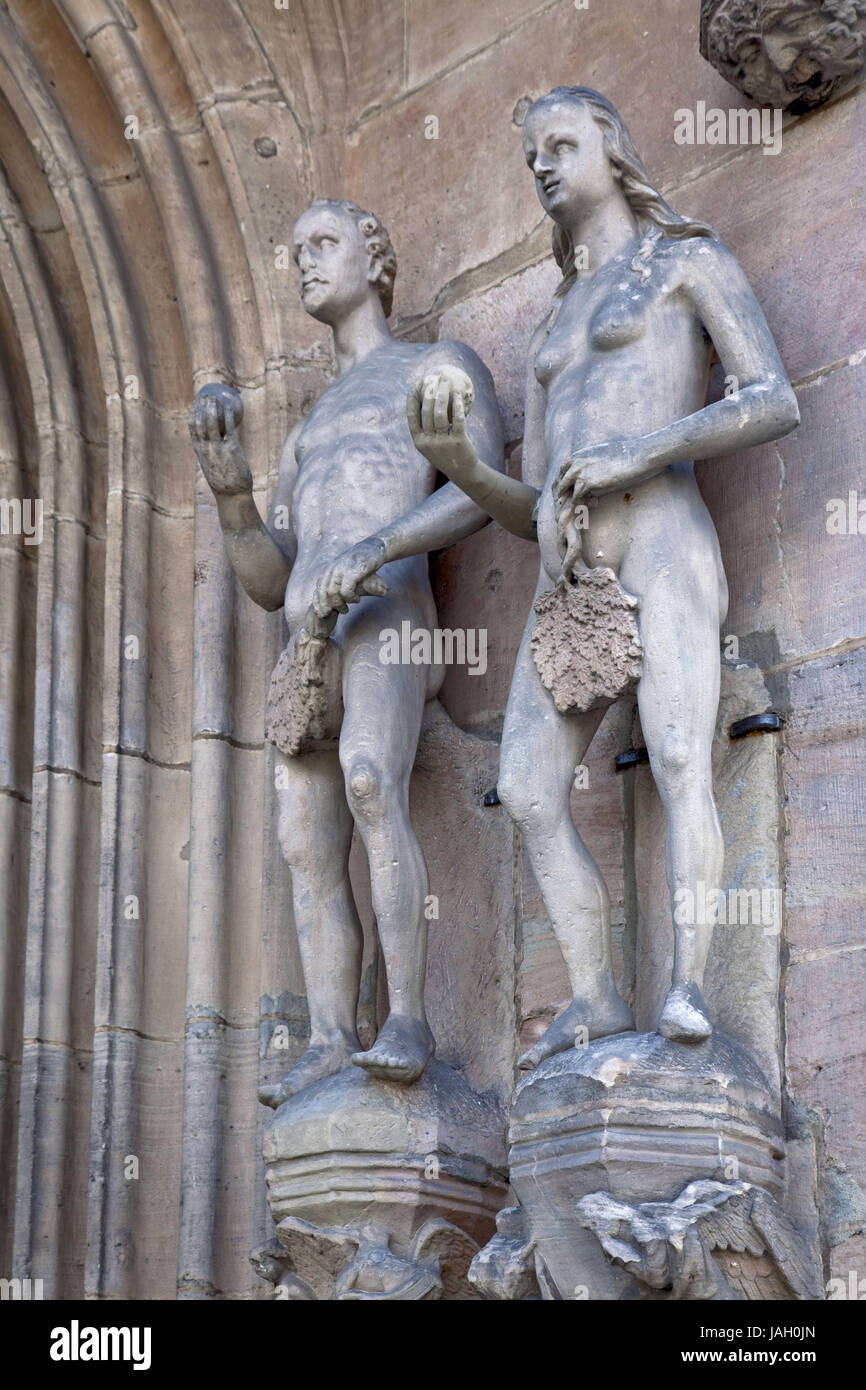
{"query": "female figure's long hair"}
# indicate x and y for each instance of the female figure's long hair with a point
(655, 217)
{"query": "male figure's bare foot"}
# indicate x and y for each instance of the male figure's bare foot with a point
(684, 1016)
(609, 1014)
(401, 1051)
(319, 1060)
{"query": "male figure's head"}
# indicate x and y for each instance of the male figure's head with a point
(345, 256)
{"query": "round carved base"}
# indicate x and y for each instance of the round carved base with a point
(381, 1190)
(638, 1117)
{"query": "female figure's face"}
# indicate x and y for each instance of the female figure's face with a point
(564, 148)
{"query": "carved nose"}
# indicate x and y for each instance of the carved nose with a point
(781, 52)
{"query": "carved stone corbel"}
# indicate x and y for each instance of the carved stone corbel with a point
(792, 54)
(331, 1263)
(510, 1267)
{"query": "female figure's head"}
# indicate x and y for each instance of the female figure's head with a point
(580, 151)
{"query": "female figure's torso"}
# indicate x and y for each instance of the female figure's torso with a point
(626, 355)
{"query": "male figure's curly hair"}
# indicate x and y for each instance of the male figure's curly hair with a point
(378, 244)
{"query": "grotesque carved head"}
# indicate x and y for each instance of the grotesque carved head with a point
(791, 54)
(341, 251)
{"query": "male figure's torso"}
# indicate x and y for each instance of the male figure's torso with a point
(358, 470)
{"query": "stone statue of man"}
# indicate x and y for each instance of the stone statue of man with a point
(364, 512)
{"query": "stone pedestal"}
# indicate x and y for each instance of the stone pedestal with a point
(380, 1190)
(639, 1118)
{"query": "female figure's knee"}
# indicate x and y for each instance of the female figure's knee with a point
(521, 794)
(676, 757)
(684, 776)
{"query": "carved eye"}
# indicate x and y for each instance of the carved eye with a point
(327, 241)
(564, 146)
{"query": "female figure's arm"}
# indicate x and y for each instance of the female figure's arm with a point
(762, 407)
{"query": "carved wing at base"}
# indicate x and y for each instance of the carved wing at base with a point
(715, 1241)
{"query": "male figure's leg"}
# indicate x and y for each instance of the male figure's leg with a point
(315, 830)
(384, 706)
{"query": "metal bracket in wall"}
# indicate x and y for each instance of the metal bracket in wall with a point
(630, 758)
(767, 723)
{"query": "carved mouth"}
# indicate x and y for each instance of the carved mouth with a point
(550, 185)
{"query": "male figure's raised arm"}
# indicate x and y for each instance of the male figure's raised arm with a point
(260, 556)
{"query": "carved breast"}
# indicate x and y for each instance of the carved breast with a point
(618, 319)
(621, 317)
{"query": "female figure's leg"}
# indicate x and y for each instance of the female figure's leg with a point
(540, 750)
(678, 699)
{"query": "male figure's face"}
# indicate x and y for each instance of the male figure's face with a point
(335, 266)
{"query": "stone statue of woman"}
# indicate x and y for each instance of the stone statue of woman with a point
(615, 415)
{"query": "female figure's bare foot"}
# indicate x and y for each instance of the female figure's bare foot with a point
(684, 1016)
(320, 1060)
(608, 1014)
(401, 1051)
